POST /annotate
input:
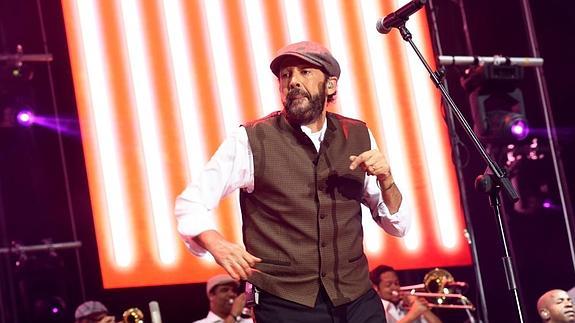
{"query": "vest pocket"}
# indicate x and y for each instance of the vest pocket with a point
(356, 258)
(276, 262)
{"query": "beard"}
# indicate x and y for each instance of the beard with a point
(300, 112)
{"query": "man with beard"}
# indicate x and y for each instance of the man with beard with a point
(225, 304)
(303, 174)
(555, 306)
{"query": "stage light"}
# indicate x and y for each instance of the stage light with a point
(496, 103)
(519, 129)
(50, 308)
(25, 118)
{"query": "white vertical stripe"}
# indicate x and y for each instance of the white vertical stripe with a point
(428, 109)
(149, 131)
(296, 22)
(186, 87)
(346, 90)
(258, 34)
(227, 89)
(105, 130)
(222, 58)
(389, 113)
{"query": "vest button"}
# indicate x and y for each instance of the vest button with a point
(322, 216)
(323, 244)
(323, 274)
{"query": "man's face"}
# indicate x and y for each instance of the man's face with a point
(222, 296)
(559, 307)
(303, 90)
(388, 288)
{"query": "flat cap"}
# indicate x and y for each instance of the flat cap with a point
(220, 280)
(88, 308)
(310, 52)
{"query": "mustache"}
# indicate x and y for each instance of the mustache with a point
(292, 94)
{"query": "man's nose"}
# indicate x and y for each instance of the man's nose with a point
(294, 82)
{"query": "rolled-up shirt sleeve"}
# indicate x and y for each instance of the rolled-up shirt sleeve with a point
(230, 168)
(396, 224)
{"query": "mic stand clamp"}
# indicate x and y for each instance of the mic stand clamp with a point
(492, 183)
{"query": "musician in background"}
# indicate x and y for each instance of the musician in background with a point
(555, 306)
(225, 304)
(398, 308)
(93, 312)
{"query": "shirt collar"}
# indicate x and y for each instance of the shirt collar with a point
(213, 317)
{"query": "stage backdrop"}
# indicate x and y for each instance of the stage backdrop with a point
(159, 84)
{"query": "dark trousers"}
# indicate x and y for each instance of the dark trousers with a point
(366, 309)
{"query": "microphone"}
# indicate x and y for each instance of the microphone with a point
(155, 312)
(494, 60)
(398, 17)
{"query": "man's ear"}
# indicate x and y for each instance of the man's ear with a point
(331, 85)
(544, 314)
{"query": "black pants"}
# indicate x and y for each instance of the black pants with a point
(366, 309)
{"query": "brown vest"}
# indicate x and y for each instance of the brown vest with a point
(303, 218)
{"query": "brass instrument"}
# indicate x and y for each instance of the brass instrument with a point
(436, 289)
(133, 315)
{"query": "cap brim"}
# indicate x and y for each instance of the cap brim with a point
(276, 63)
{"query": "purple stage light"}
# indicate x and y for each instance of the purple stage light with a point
(25, 118)
(547, 204)
(519, 129)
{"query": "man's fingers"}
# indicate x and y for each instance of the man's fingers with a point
(245, 267)
(356, 161)
(251, 260)
(240, 270)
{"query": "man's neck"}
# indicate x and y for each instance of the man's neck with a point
(317, 124)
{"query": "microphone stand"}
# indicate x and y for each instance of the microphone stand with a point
(490, 183)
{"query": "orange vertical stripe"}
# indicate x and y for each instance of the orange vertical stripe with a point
(242, 63)
(276, 23)
(361, 71)
(204, 74)
(127, 131)
(315, 22)
(164, 86)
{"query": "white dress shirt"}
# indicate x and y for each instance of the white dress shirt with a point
(395, 313)
(232, 168)
(213, 318)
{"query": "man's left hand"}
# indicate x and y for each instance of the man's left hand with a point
(373, 162)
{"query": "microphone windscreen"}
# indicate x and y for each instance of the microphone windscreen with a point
(381, 27)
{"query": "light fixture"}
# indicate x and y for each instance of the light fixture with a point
(497, 103)
(25, 117)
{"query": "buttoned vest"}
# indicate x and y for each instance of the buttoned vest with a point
(303, 218)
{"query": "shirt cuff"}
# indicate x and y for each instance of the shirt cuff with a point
(396, 224)
(191, 225)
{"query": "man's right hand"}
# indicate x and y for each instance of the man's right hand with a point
(415, 306)
(232, 257)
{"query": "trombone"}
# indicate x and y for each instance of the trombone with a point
(438, 285)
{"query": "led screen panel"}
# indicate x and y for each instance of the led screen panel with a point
(159, 84)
